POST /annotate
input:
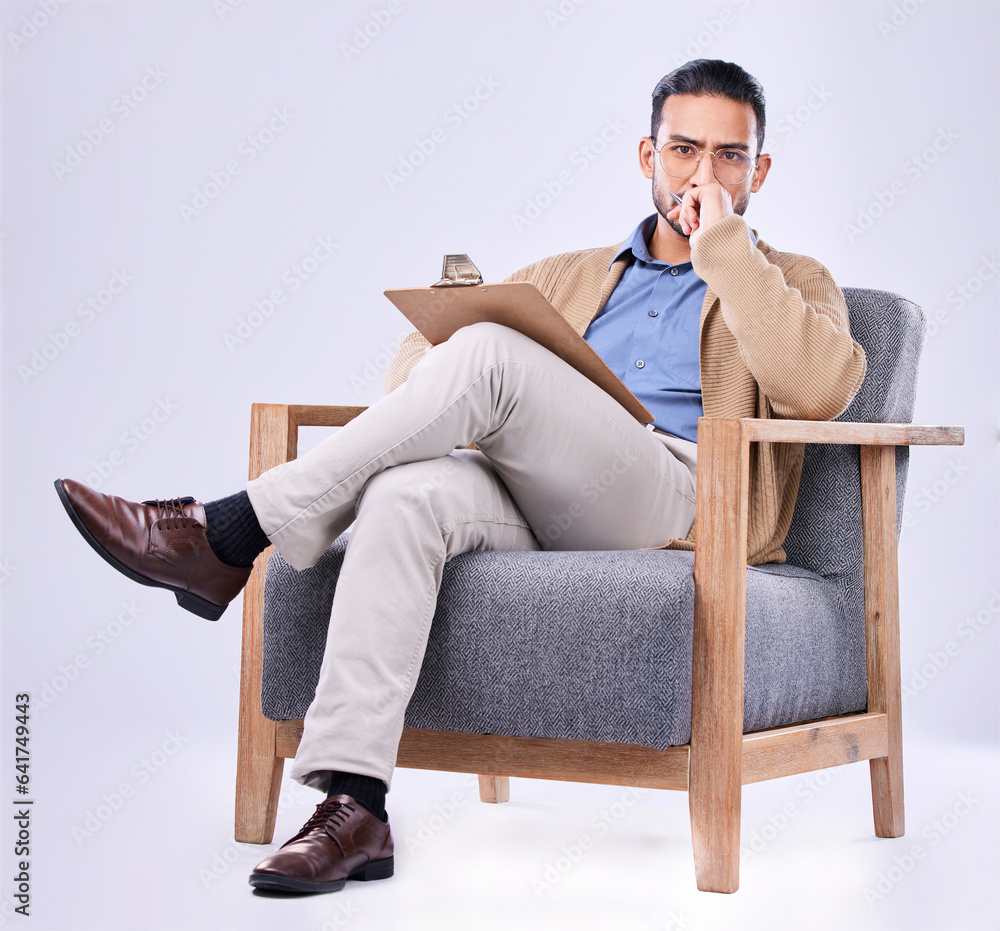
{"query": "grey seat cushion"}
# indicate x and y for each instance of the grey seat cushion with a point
(608, 656)
(581, 645)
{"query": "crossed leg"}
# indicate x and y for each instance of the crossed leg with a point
(583, 472)
(560, 465)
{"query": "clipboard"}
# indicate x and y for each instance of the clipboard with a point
(440, 310)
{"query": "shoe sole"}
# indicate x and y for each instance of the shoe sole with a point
(377, 869)
(194, 604)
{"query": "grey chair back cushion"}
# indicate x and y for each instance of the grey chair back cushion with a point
(826, 531)
(825, 534)
(597, 645)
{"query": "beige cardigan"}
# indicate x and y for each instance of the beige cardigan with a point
(775, 342)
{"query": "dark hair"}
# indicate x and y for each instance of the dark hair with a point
(709, 77)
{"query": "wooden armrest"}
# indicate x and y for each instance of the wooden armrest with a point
(274, 430)
(323, 415)
(864, 434)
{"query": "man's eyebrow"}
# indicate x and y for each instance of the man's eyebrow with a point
(677, 137)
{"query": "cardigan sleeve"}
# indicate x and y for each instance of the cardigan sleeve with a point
(408, 353)
(791, 326)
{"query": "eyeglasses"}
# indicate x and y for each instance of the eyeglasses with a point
(681, 160)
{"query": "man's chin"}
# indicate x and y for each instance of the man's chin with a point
(676, 227)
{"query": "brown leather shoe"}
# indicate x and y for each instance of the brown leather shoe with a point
(341, 841)
(159, 543)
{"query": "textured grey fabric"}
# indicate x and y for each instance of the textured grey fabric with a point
(825, 535)
(597, 645)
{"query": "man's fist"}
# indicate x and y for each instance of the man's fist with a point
(703, 206)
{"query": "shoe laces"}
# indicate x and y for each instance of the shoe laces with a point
(171, 514)
(327, 813)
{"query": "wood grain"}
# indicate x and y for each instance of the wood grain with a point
(323, 415)
(494, 789)
(769, 754)
(801, 748)
(273, 437)
(865, 434)
(720, 562)
(878, 506)
(534, 757)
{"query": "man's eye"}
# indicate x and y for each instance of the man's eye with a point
(682, 150)
(731, 155)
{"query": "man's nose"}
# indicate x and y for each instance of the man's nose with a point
(704, 173)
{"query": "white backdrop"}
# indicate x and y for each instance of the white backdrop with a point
(202, 203)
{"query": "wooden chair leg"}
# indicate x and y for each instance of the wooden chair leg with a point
(715, 766)
(494, 788)
(715, 807)
(258, 767)
(258, 781)
(878, 490)
(273, 440)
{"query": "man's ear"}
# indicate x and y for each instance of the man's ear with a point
(760, 172)
(646, 156)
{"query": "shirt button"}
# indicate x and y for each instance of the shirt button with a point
(639, 364)
(674, 272)
(653, 313)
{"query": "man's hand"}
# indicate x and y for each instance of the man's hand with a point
(702, 207)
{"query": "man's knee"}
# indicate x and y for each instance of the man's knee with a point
(408, 488)
(494, 336)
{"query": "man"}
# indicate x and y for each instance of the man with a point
(696, 315)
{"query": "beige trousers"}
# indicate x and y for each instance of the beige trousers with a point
(559, 465)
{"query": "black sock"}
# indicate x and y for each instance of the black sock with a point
(365, 790)
(233, 531)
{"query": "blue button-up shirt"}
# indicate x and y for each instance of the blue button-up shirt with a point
(647, 333)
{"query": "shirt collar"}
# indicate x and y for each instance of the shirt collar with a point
(637, 239)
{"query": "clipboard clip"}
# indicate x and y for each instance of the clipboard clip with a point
(458, 270)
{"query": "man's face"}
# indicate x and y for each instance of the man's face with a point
(710, 123)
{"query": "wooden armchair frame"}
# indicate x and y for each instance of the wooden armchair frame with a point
(720, 758)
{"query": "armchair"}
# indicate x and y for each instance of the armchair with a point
(652, 668)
